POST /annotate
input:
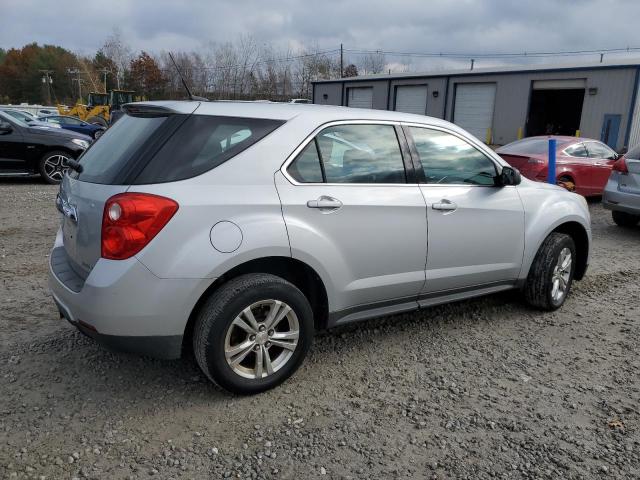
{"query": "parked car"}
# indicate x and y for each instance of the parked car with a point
(75, 124)
(29, 150)
(28, 118)
(242, 228)
(582, 164)
(622, 193)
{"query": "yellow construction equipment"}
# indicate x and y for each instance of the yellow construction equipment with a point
(99, 106)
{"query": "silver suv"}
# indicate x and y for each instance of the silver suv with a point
(240, 229)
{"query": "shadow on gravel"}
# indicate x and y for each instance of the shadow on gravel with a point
(23, 180)
(75, 364)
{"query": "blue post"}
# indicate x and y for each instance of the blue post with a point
(551, 177)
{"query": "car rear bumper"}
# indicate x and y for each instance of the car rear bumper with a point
(614, 199)
(122, 305)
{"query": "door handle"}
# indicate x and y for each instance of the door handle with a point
(325, 203)
(444, 204)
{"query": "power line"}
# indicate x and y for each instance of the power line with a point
(493, 55)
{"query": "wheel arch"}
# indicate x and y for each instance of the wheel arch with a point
(581, 239)
(295, 271)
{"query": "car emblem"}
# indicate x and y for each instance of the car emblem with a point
(67, 209)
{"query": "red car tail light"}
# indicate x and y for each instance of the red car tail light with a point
(131, 220)
(620, 166)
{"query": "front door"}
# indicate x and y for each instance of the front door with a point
(352, 216)
(12, 149)
(602, 159)
(476, 229)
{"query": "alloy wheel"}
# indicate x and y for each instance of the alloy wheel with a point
(561, 275)
(261, 339)
(56, 166)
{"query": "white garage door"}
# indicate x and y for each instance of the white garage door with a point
(361, 97)
(411, 99)
(473, 110)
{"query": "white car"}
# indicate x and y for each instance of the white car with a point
(242, 228)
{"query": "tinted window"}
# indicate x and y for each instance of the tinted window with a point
(577, 150)
(201, 143)
(526, 146)
(599, 150)
(306, 167)
(105, 160)
(447, 159)
(361, 154)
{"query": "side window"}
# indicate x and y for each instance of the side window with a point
(599, 150)
(361, 154)
(306, 167)
(577, 150)
(447, 159)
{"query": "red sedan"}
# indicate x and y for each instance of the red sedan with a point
(582, 164)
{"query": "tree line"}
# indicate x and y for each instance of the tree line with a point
(242, 70)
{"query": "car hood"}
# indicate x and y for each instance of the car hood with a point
(60, 133)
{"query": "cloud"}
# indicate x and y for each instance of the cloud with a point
(469, 26)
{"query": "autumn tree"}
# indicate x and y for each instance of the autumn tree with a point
(351, 70)
(145, 76)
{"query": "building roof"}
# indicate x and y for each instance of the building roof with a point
(549, 67)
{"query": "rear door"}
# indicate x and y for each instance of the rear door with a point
(476, 229)
(350, 212)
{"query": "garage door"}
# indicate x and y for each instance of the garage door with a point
(474, 107)
(360, 97)
(411, 99)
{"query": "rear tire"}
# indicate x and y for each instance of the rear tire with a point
(624, 219)
(236, 345)
(53, 165)
(551, 274)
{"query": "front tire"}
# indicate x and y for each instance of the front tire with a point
(551, 273)
(624, 219)
(53, 165)
(253, 333)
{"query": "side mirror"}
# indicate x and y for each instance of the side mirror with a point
(509, 176)
(5, 127)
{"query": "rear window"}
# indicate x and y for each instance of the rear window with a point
(526, 147)
(159, 149)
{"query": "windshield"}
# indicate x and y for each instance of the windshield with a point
(4, 115)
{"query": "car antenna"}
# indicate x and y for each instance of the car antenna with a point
(191, 96)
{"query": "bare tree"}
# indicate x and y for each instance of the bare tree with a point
(372, 63)
(119, 53)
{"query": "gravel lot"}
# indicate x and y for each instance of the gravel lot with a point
(480, 389)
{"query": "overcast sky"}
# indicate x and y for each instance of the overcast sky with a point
(466, 26)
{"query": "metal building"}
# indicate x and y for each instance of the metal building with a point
(500, 105)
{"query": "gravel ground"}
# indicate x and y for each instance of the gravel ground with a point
(480, 389)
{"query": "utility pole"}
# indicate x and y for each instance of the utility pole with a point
(341, 62)
(47, 81)
(104, 72)
(75, 71)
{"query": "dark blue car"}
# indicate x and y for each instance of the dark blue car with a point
(75, 124)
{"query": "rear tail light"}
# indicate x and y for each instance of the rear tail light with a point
(131, 220)
(620, 166)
